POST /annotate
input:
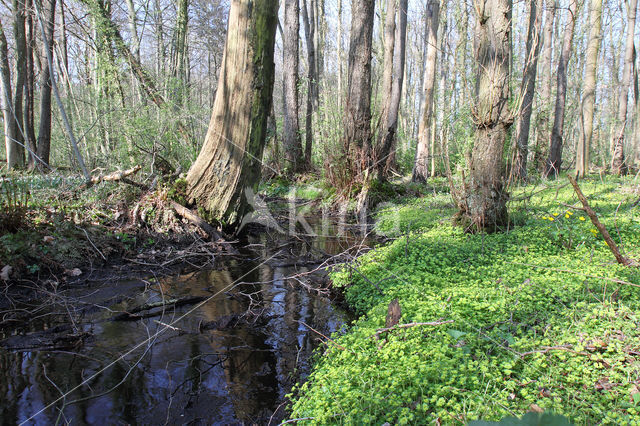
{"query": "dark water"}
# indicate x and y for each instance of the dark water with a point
(145, 372)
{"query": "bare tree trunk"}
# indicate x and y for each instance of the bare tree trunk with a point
(291, 135)
(421, 166)
(44, 131)
(554, 162)
(618, 162)
(159, 29)
(16, 157)
(10, 127)
(589, 93)
(309, 31)
(484, 205)
(543, 135)
(519, 166)
(443, 111)
(179, 52)
(228, 165)
(133, 28)
(340, 71)
(387, 66)
(29, 87)
(384, 157)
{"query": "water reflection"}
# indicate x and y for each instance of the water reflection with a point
(188, 374)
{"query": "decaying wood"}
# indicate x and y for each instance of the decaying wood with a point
(596, 222)
(115, 176)
(196, 220)
(394, 312)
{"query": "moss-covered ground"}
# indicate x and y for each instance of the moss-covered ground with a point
(539, 317)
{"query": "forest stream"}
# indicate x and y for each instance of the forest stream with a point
(221, 345)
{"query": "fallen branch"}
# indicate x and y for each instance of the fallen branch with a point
(134, 314)
(409, 325)
(114, 177)
(596, 222)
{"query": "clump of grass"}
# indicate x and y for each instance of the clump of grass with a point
(14, 200)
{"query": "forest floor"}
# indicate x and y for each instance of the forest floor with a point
(539, 317)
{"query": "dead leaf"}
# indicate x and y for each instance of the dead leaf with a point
(535, 408)
(48, 239)
(635, 395)
(75, 272)
(603, 384)
(6, 273)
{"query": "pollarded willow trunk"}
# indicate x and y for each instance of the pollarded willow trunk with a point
(421, 166)
(589, 94)
(484, 204)
(554, 162)
(519, 167)
(618, 162)
(291, 133)
(230, 160)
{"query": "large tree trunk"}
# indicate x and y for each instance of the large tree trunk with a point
(554, 162)
(44, 132)
(15, 156)
(179, 52)
(519, 166)
(421, 166)
(589, 93)
(544, 111)
(357, 116)
(229, 163)
(133, 28)
(10, 127)
(484, 205)
(618, 162)
(291, 134)
(309, 34)
(384, 157)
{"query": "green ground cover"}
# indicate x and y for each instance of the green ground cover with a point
(536, 318)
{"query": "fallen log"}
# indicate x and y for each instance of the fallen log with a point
(203, 225)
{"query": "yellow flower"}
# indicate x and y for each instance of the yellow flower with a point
(582, 218)
(544, 218)
(551, 219)
(566, 216)
(570, 213)
(556, 214)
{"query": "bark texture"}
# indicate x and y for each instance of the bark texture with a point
(421, 166)
(229, 162)
(15, 155)
(357, 116)
(44, 131)
(589, 92)
(485, 200)
(291, 134)
(384, 158)
(618, 162)
(309, 36)
(554, 162)
(519, 166)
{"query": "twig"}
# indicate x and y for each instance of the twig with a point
(411, 324)
(328, 338)
(596, 222)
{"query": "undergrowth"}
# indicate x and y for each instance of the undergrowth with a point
(536, 318)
